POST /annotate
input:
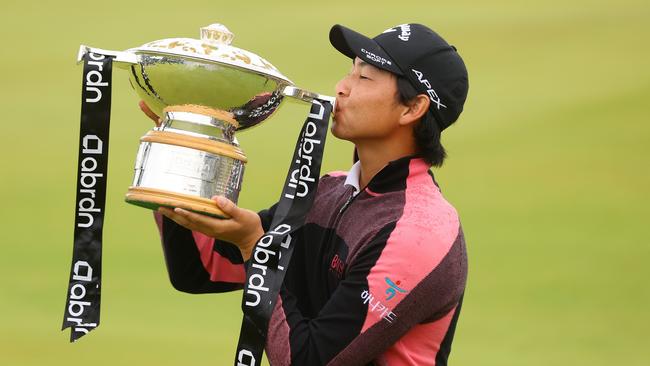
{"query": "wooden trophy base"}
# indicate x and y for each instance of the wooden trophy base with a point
(152, 198)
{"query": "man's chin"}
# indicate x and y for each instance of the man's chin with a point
(334, 130)
(338, 134)
(341, 133)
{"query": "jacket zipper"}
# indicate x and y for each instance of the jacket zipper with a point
(346, 204)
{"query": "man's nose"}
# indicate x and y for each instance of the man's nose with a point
(342, 87)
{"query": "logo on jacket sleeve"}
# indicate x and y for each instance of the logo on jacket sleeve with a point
(393, 289)
(383, 310)
(376, 307)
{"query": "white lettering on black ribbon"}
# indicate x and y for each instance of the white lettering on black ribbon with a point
(81, 312)
(272, 252)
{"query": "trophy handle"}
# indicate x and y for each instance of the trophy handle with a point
(305, 95)
(120, 57)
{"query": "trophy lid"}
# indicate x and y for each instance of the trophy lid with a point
(205, 72)
(215, 46)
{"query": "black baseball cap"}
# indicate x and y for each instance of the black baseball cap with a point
(419, 54)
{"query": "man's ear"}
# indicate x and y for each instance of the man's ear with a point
(416, 108)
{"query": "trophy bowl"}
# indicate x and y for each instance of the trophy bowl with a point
(204, 90)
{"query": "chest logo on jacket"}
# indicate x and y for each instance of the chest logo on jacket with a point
(337, 266)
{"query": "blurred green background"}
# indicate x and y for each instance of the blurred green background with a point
(548, 168)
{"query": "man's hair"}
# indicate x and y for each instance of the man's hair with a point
(426, 132)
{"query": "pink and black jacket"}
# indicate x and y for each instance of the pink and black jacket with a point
(376, 278)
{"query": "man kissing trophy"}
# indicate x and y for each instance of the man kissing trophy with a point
(205, 90)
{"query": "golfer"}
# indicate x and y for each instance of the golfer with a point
(379, 267)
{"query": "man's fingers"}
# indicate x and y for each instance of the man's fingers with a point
(198, 222)
(205, 224)
(227, 206)
(178, 217)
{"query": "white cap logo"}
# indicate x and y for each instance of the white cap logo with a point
(405, 31)
(432, 93)
(376, 58)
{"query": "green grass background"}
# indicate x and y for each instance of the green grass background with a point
(548, 168)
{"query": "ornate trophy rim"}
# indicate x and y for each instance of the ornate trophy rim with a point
(272, 73)
(130, 58)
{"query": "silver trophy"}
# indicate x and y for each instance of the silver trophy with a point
(204, 90)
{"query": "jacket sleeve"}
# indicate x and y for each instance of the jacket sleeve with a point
(363, 318)
(197, 263)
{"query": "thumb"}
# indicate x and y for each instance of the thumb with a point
(227, 206)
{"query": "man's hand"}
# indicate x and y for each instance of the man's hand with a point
(243, 229)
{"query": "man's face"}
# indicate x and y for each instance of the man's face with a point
(366, 104)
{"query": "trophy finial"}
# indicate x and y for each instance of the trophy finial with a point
(216, 34)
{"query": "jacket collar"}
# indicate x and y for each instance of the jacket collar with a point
(390, 178)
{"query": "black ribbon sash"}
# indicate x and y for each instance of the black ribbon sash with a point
(271, 255)
(82, 305)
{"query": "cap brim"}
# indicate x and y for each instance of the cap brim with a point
(354, 44)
